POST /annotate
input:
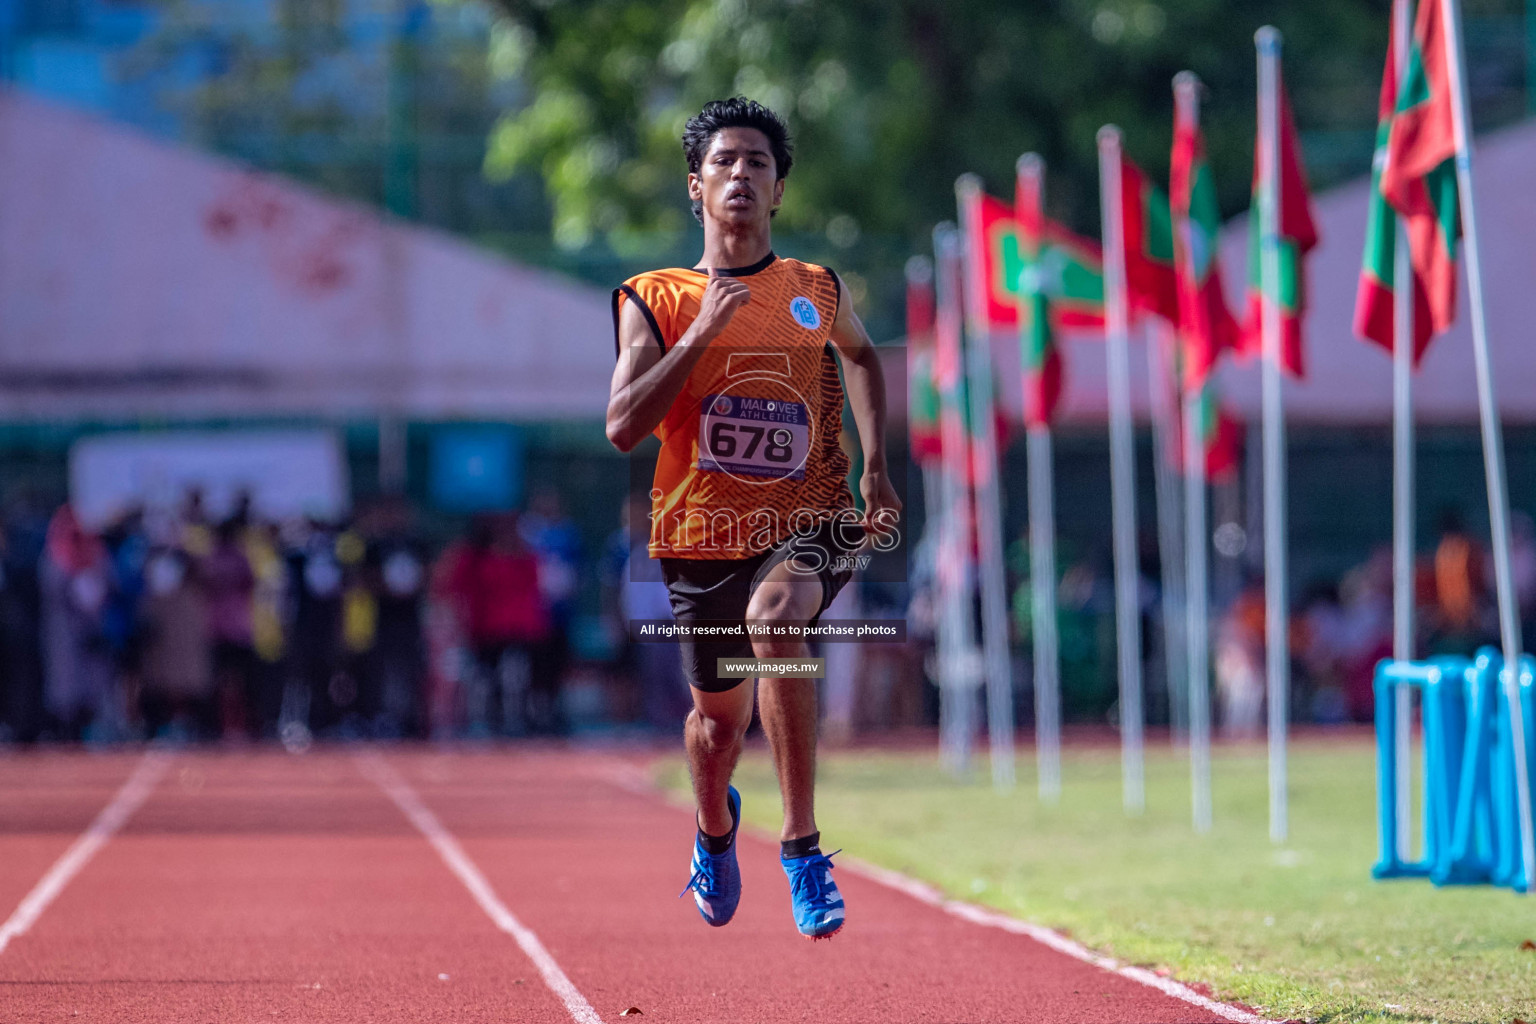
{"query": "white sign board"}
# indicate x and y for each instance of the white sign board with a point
(288, 473)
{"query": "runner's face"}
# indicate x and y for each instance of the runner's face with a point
(736, 180)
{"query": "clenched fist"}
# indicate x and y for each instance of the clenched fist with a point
(723, 296)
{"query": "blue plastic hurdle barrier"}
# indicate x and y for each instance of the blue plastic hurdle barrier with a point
(1468, 857)
(1508, 868)
(1440, 683)
(1470, 814)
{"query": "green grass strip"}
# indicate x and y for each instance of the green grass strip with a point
(1297, 931)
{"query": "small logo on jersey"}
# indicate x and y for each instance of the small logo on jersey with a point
(722, 406)
(805, 313)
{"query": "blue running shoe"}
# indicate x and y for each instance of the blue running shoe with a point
(817, 904)
(716, 881)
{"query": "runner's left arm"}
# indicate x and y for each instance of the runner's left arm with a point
(866, 394)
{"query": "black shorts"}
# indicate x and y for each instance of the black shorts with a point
(719, 590)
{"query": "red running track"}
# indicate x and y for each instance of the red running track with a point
(257, 886)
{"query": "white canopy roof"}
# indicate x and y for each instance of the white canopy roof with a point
(138, 279)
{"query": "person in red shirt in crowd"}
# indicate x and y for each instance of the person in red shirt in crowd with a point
(229, 584)
(492, 578)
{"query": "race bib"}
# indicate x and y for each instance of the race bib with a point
(757, 437)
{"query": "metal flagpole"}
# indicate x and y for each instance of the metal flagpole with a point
(1042, 578)
(1170, 514)
(1493, 441)
(1196, 625)
(959, 672)
(1276, 619)
(936, 512)
(994, 594)
(1122, 474)
(1402, 474)
(989, 529)
(933, 521)
(1197, 622)
(935, 525)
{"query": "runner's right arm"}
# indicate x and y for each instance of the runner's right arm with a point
(646, 381)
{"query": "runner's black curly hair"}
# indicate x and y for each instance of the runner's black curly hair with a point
(736, 112)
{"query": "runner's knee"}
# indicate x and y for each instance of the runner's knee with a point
(722, 731)
(722, 734)
(779, 604)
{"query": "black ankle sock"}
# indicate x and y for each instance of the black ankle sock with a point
(719, 844)
(791, 849)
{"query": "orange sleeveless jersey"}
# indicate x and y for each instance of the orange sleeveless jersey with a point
(749, 449)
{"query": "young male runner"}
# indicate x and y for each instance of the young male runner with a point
(731, 365)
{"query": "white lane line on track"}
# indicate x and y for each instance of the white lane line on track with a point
(112, 817)
(379, 771)
(926, 893)
(631, 779)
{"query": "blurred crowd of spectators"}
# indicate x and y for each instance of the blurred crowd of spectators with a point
(1340, 630)
(179, 626)
(183, 626)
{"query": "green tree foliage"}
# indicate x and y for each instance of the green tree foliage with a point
(890, 100)
(386, 101)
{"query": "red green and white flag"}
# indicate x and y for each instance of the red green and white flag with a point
(1040, 358)
(1148, 231)
(922, 380)
(1039, 278)
(1374, 308)
(1206, 326)
(951, 385)
(1221, 430)
(1298, 236)
(1419, 174)
(1221, 435)
(949, 361)
(1071, 269)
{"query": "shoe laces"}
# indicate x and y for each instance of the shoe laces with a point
(812, 879)
(702, 882)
